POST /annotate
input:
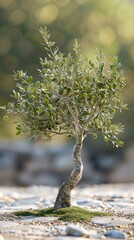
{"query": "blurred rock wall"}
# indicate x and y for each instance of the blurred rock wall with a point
(25, 163)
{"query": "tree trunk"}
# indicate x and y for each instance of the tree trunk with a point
(64, 196)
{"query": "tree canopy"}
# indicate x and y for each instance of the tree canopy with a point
(73, 95)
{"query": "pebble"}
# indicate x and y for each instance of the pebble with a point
(58, 228)
(73, 230)
(115, 234)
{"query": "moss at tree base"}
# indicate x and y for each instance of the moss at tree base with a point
(69, 214)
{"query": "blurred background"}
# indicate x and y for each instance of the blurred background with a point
(96, 24)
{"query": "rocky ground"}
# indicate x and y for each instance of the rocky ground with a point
(117, 199)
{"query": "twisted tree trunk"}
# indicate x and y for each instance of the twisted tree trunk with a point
(64, 196)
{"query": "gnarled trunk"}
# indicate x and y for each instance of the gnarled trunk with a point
(64, 196)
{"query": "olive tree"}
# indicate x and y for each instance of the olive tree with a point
(73, 96)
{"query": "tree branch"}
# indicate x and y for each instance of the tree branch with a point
(76, 122)
(61, 133)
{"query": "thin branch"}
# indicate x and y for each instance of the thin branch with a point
(97, 114)
(61, 133)
(76, 110)
(76, 122)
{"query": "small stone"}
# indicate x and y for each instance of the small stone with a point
(73, 230)
(115, 234)
(93, 234)
(58, 228)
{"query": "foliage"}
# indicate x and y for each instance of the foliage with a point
(108, 25)
(73, 95)
(64, 214)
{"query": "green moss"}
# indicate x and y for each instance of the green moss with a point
(69, 214)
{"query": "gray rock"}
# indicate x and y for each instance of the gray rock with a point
(73, 230)
(93, 234)
(26, 201)
(111, 221)
(8, 224)
(29, 219)
(58, 228)
(63, 238)
(19, 208)
(2, 204)
(58, 231)
(115, 234)
(90, 202)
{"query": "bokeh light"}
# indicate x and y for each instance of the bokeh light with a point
(102, 24)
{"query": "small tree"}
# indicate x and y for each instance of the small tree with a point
(75, 97)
